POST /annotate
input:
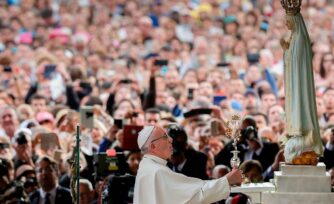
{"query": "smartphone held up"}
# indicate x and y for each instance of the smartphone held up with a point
(49, 71)
(163, 64)
(87, 116)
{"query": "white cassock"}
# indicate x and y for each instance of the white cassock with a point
(157, 184)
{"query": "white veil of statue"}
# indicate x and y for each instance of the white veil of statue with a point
(300, 105)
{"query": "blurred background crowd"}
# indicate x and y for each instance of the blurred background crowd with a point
(187, 65)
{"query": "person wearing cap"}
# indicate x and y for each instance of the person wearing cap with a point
(231, 24)
(45, 119)
(156, 183)
(252, 101)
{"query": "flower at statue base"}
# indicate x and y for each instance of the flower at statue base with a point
(306, 158)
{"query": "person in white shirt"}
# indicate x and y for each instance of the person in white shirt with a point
(156, 183)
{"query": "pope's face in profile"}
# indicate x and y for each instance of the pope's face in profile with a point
(162, 143)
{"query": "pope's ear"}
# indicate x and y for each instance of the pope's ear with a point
(152, 146)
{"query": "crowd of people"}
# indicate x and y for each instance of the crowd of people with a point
(185, 65)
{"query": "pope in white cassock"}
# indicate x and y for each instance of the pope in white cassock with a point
(157, 184)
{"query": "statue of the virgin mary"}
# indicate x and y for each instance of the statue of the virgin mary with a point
(300, 106)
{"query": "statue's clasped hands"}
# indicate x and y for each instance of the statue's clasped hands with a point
(285, 44)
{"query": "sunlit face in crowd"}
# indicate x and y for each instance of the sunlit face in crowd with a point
(152, 118)
(4, 96)
(329, 99)
(250, 102)
(205, 89)
(201, 45)
(215, 78)
(8, 120)
(236, 85)
(125, 106)
(122, 93)
(160, 84)
(70, 121)
(161, 98)
(216, 145)
(190, 77)
(171, 102)
(275, 113)
(321, 108)
(238, 97)
(268, 100)
(25, 112)
(253, 74)
(267, 134)
(172, 79)
(39, 105)
(94, 62)
(119, 113)
(145, 25)
(97, 135)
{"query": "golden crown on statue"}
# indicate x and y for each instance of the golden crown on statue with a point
(291, 7)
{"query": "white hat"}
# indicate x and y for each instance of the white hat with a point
(143, 135)
(25, 131)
